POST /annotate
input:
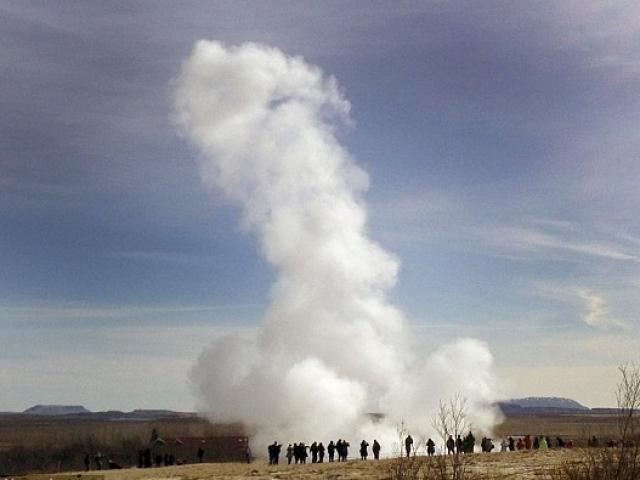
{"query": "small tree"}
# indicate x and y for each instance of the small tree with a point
(451, 419)
(621, 463)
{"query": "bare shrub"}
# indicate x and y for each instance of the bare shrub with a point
(620, 461)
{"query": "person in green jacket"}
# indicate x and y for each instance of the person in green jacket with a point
(542, 443)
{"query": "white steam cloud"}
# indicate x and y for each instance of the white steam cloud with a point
(331, 347)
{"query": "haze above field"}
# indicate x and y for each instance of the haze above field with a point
(522, 404)
(501, 144)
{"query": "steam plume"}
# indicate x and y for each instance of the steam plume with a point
(331, 347)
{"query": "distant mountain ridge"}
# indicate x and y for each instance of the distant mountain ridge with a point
(78, 411)
(55, 410)
(541, 403)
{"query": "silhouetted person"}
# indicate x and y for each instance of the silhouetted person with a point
(469, 443)
(408, 443)
(486, 445)
(276, 452)
(314, 452)
(345, 450)
(140, 459)
(451, 445)
(320, 452)
(560, 442)
(200, 454)
(98, 461)
(431, 447)
(270, 448)
(527, 442)
(296, 452)
(512, 444)
(376, 450)
(331, 449)
(289, 454)
(536, 443)
(303, 453)
(364, 453)
(459, 445)
(87, 462)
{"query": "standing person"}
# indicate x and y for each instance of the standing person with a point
(314, 452)
(408, 444)
(469, 443)
(277, 448)
(296, 452)
(527, 442)
(289, 454)
(364, 453)
(543, 443)
(200, 454)
(345, 450)
(270, 452)
(339, 449)
(431, 447)
(320, 452)
(459, 448)
(512, 444)
(87, 462)
(504, 445)
(451, 445)
(331, 448)
(303, 453)
(376, 450)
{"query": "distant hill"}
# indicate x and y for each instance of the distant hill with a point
(55, 410)
(541, 404)
(79, 412)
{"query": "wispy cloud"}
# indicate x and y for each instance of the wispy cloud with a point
(596, 312)
(591, 307)
(527, 238)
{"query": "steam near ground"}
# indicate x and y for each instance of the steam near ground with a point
(331, 348)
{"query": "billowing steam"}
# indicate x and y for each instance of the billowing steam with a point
(331, 348)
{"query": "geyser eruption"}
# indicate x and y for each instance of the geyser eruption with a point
(331, 347)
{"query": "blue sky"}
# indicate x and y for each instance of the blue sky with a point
(500, 140)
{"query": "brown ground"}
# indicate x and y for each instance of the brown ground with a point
(512, 465)
(516, 465)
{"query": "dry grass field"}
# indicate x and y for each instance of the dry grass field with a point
(43, 434)
(512, 465)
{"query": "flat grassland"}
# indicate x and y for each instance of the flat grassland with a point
(510, 465)
(524, 465)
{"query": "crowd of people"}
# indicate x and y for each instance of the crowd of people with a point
(299, 452)
(541, 442)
